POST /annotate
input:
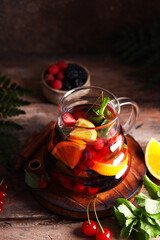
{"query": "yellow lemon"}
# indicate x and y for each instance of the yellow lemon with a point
(83, 132)
(152, 157)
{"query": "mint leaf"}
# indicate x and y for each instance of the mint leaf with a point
(96, 120)
(152, 230)
(100, 110)
(103, 105)
(126, 231)
(156, 217)
(140, 199)
(152, 189)
(126, 211)
(151, 206)
(31, 179)
(119, 216)
(135, 210)
(140, 234)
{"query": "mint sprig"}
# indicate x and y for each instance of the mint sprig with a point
(142, 222)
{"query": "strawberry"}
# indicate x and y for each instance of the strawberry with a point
(68, 118)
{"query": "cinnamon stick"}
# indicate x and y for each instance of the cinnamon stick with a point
(33, 144)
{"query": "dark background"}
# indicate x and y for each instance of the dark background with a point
(51, 27)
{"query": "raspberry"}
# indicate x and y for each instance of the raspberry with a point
(53, 69)
(99, 144)
(60, 75)
(57, 84)
(49, 78)
(62, 65)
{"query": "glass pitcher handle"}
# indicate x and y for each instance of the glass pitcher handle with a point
(130, 123)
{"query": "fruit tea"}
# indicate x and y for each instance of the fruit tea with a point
(87, 152)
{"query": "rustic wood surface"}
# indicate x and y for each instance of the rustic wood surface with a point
(22, 216)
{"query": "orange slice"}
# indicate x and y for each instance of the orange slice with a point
(152, 157)
(68, 152)
(106, 168)
(83, 132)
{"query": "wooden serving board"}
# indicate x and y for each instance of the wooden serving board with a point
(69, 204)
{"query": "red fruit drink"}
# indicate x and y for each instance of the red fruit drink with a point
(87, 152)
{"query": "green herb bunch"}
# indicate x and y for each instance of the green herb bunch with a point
(10, 103)
(143, 222)
(140, 46)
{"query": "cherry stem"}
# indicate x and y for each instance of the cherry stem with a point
(89, 222)
(1, 182)
(97, 216)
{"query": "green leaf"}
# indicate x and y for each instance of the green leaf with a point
(152, 230)
(134, 209)
(31, 179)
(100, 110)
(126, 231)
(126, 211)
(152, 189)
(140, 234)
(151, 206)
(119, 216)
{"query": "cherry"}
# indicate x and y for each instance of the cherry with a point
(2, 195)
(4, 187)
(1, 203)
(89, 228)
(105, 235)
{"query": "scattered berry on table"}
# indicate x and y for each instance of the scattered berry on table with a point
(89, 228)
(1, 203)
(2, 195)
(106, 235)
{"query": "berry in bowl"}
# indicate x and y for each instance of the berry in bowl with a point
(62, 77)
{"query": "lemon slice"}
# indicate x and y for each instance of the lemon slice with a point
(84, 133)
(152, 157)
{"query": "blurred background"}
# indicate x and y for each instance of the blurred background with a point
(54, 27)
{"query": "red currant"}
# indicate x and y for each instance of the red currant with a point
(4, 187)
(2, 195)
(105, 235)
(89, 228)
(42, 183)
(1, 203)
(79, 188)
(99, 144)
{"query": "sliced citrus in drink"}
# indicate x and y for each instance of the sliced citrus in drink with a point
(111, 167)
(83, 132)
(68, 152)
(152, 157)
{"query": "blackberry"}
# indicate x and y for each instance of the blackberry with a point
(66, 84)
(74, 71)
(78, 82)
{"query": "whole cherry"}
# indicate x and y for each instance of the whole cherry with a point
(89, 227)
(105, 235)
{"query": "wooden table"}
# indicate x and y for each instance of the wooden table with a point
(22, 216)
